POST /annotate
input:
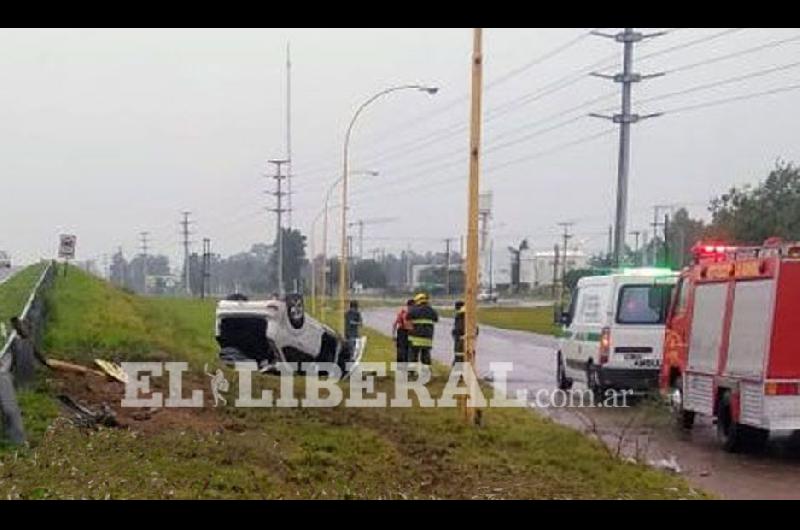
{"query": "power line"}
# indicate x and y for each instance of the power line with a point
(689, 44)
(740, 53)
(712, 103)
(722, 82)
(492, 84)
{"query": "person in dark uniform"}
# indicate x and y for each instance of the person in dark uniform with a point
(353, 324)
(423, 318)
(459, 330)
(400, 330)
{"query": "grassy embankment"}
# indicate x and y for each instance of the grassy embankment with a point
(337, 452)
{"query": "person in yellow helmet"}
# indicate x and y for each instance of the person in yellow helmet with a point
(423, 318)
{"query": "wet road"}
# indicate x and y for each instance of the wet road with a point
(642, 431)
(531, 355)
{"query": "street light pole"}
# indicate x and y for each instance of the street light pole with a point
(344, 286)
(325, 233)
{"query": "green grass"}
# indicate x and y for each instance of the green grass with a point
(298, 452)
(90, 318)
(534, 319)
(14, 293)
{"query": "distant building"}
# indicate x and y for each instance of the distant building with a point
(537, 268)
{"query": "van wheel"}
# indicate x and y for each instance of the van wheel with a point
(593, 382)
(684, 419)
(564, 382)
(734, 436)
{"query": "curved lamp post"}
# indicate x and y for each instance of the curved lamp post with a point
(344, 288)
(324, 213)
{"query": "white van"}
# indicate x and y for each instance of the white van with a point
(613, 332)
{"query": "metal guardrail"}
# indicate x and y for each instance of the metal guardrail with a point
(4, 353)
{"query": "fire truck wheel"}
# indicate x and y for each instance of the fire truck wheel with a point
(683, 418)
(735, 436)
(564, 382)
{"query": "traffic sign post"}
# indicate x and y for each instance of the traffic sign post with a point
(66, 249)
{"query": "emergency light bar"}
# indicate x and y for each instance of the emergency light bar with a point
(647, 271)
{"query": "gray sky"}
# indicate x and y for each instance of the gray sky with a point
(106, 133)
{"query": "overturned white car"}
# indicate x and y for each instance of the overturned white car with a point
(275, 331)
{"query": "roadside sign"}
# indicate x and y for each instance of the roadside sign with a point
(66, 248)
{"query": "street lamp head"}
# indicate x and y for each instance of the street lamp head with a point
(429, 89)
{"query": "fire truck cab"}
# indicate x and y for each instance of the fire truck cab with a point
(732, 342)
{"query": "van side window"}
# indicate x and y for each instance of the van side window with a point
(590, 308)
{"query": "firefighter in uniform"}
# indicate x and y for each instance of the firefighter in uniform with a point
(423, 317)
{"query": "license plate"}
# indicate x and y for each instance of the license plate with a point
(632, 356)
(647, 363)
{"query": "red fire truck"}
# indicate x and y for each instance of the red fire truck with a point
(732, 342)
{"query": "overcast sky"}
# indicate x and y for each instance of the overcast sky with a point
(107, 133)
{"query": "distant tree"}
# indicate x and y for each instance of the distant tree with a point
(294, 260)
(751, 214)
(369, 273)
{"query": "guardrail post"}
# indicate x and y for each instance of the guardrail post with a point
(17, 364)
(13, 428)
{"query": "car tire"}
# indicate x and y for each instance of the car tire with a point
(593, 382)
(735, 437)
(684, 419)
(295, 310)
(563, 382)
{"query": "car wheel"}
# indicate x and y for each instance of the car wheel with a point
(295, 310)
(684, 419)
(593, 382)
(563, 382)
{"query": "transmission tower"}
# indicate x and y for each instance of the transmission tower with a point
(279, 210)
(187, 284)
(626, 78)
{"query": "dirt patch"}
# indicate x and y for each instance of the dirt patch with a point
(93, 391)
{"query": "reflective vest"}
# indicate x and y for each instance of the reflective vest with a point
(422, 317)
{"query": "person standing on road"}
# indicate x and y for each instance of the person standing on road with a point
(400, 329)
(423, 318)
(459, 330)
(458, 333)
(353, 321)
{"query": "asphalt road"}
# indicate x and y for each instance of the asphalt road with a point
(641, 431)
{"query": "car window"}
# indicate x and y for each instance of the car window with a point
(643, 304)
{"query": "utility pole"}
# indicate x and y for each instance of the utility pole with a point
(279, 210)
(666, 240)
(187, 284)
(636, 234)
(144, 246)
(555, 273)
(610, 243)
(471, 277)
(408, 267)
(360, 240)
(566, 236)
(628, 38)
(206, 284)
(289, 133)
(447, 265)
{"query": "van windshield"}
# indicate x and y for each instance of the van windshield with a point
(643, 304)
